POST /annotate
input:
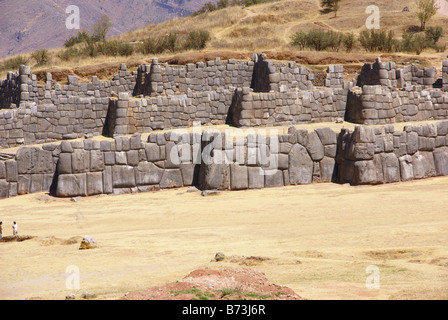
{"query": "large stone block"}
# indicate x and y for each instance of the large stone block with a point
(94, 183)
(37, 181)
(4, 189)
(108, 186)
(255, 177)
(327, 169)
(80, 161)
(315, 147)
(327, 135)
(2, 170)
(273, 178)
(215, 174)
(64, 165)
(34, 160)
(96, 160)
(71, 185)
(11, 171)
(441, 161)
(23, 184)
(406, 169)
(423, 165)
(300, 165)
(123, 176)
(390, 167)
(363, 151)
(364, 134)
(188, 173)
(238, 177)
(365, 172)
(172, 178)
(147, 173)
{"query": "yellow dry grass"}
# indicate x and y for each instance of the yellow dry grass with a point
(316, 239)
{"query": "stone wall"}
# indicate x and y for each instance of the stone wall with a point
(383, 105)
(288, 108)
(382, 155)
(230, 160)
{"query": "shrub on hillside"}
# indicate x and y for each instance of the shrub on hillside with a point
(82, 36)
(41, 57)
(14, 63)
(197, 40)
(69, 54)
(433, 34)
(318, 40)
(378, 40)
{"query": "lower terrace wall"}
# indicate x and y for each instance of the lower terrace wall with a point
(228, 161)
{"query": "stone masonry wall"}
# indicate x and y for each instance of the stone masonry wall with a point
(228, 161)
(382, 155)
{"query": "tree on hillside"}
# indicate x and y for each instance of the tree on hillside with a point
(426, 9)
(101, 28)
(332, 5)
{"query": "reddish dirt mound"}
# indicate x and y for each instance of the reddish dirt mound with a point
(222, 284)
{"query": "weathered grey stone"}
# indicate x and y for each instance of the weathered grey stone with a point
(363, 134)
(300, 165)
(327, 169)
(132, 157)
(71, 185)
(215, 175)
(327, 135)
(2, 170)
(147, 173)
(37, 180)
(23, 184)
(188, 173)
(273, 178)
(4, 189)
(255, 177)
(238, 177)
(423, 165)
(108, 187)
(34, 160)
(363, 151)
(315, 147)
(80, 161)
(172, 178)
(64, 165)
(11, 171)
(123, 176)
(94, 183)
(441, 161)
(391, 167)
(365, 172)
(152, 152)
(412, 142)
(96, 160)
(406, 169)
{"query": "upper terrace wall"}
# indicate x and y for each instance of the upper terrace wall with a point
(243, 93)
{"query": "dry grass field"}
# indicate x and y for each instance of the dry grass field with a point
(316, 239)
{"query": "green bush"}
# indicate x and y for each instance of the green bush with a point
(299, 39)
(197, 40)
(414, 42)
(42, 57)
(82, 36)
(14, 63)
(68, 54)
(318, 40)
(433, 34)
(380, 40)
(114, 48)
(349, 42)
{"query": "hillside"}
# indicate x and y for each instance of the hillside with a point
(32, 25)
(238, 31)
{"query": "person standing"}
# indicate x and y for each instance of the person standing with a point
(1, 229)
(14, 229)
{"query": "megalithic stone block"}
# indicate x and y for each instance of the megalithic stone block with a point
(71, 185)
(300, 165)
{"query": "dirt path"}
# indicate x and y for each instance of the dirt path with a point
(316, 239)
